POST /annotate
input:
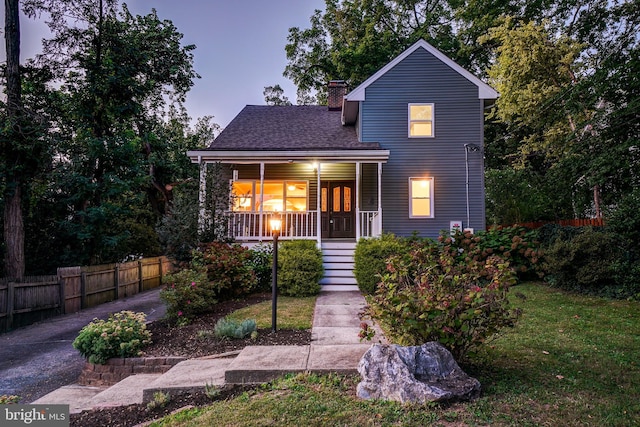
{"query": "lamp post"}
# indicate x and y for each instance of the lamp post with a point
(276, 225)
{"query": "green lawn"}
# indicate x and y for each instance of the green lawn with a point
(292, 313)
(571, 361)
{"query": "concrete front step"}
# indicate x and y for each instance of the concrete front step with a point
(260, 364)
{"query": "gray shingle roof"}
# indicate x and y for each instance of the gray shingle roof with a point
(291, 128)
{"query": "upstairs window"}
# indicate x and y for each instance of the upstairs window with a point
(420, 197)
(420, 120)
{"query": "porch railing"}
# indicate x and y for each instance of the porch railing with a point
(370, 225)
(295, 225)
(255, 225)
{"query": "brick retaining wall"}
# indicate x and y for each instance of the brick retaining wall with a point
(115, 370)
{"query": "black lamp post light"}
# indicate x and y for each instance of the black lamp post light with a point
(276, 226)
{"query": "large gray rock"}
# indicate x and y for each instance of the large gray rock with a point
(420, 374)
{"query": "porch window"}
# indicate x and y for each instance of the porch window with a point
(420, 120)
(279, 196)
(420, 197)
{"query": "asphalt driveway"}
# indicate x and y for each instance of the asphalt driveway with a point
(37, 359)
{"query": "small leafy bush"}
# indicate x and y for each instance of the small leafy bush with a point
(228, 268)
(261, 262)
(8, 399)
(230, 328)
(186, 294)
(299, 268)
(160, 400)
(429, 295)
(124, 334)
(370, 259)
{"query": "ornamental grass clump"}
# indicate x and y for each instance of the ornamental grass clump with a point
(124, 334)
(427, 294)
(229, 328)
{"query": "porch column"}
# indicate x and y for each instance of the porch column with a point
(202, 197)
(260, 235)
(357, 201)
(318, 207)
(379, 198)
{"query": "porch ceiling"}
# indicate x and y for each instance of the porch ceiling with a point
(253, 157)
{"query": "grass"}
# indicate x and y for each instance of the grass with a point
(292, 313)
(571, 361)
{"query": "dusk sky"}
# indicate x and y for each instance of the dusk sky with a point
(240, 47)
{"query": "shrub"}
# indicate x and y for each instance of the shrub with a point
(515, 245)
(227, 267)
(428, 295)
(585, 263)
(299, 268)
(261, 262)
(370, 259)
(8, 399)
(160, 400)
(229, 328)
(124, 334)
(187, 293)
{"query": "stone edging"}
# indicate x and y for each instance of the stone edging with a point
(117, 369)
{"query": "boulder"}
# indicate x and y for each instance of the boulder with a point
(418, 374)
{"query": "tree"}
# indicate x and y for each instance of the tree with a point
(568, 105)
(119, 76)
(352, 39)
(13, 221)
(274, 95)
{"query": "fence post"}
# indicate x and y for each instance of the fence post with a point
(10, 298)
(160, 260)
(141, 279)
(116, 280)
(63, 305)
(83, 291)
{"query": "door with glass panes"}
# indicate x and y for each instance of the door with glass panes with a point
(338, 210)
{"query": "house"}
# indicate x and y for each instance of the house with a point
(400, 153)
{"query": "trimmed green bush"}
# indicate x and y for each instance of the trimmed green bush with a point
(124, 334)
(299, 268)
(429, 295)
(370, 259)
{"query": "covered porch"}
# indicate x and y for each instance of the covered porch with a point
(317, 195)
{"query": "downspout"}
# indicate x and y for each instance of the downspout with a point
(467, 148)
(466, 165)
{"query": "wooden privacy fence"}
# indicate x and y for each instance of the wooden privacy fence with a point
(75, 288)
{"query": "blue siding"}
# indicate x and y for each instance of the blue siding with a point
(422, 78)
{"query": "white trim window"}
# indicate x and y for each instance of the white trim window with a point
(421, 120)
(279, 196)
(421, 197)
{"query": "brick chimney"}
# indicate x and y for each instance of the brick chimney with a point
(337, 89)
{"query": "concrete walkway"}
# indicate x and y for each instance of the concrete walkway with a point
(335, 347)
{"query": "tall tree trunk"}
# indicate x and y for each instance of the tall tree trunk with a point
(13, 223)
